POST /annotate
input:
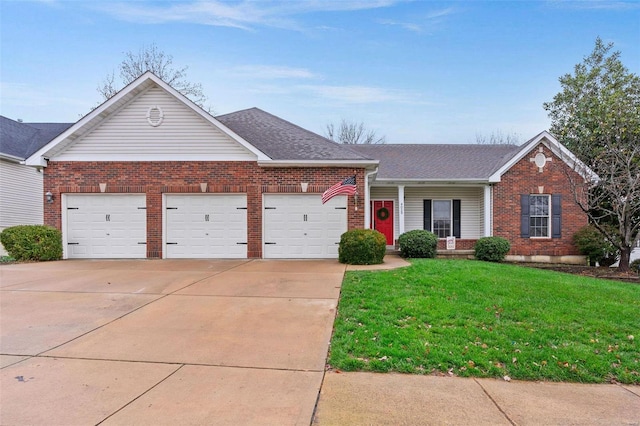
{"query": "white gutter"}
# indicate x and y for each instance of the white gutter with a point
(367, 198)
(12, 158)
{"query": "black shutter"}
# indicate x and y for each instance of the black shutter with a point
(556, 216)
(456, 218)
(427, 215)
(524, 216)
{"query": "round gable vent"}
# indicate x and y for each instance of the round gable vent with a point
(540, 159)
(155, 116)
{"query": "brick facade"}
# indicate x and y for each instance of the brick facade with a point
(525, 178)
(461, 244)
(157, 178)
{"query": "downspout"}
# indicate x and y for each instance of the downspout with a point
(367, 199)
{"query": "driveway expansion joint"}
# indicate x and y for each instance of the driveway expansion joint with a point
(495, 403)
(141, 395)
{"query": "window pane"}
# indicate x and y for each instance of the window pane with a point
(442, 218)
(442, 210)
(539, 216)
(539, 205)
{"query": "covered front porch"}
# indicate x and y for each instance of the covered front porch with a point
(459, 214)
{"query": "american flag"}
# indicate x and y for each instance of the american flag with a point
(347, 187)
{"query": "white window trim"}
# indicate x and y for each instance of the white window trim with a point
(433, 202)
(548, 216)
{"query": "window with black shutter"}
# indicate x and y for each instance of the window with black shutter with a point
(442, 217)
(540, 216)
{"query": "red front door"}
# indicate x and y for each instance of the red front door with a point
(382, 219)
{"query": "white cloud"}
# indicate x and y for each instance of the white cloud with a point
(441, 13)
(595, 4)
(406, 25)
(429, 22)
(243, 15)
(33, 103)
(270, 72)
(358, 94)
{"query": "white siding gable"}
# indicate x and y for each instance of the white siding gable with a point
(182, 135)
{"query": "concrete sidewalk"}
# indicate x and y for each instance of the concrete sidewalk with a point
(398, 399)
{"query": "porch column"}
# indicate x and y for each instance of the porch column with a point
(400, 210)
(487, 211)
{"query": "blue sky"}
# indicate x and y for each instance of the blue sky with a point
(414, 71)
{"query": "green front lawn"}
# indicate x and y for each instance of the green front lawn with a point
(471, 318)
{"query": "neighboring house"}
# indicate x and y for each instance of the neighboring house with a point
(21, 195)
(150, 174)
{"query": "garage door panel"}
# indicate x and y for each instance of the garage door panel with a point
(106, 226)
(300, 226)
(206, 226)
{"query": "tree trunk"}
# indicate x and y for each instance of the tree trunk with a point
(625, 255)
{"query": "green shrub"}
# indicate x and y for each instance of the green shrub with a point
(635, 266)
(32, 242)
(491, 249)
(594, 245)
(418, 244)
(362, 247)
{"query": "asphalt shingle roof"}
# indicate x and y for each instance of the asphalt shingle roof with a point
(438, 161)
(282, 140)
(23, 139)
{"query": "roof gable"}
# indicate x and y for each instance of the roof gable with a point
(127, 97)
(174, 133)
(460, 163)
(556, 148)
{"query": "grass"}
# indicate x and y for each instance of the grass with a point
(471, 318)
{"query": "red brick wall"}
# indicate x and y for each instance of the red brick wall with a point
(525, 178)
(156, 178)
(460, 244)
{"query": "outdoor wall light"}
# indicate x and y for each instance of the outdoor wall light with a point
(304, 186)
(49, 197)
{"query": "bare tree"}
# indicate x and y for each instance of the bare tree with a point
(498, 138)
(150, 58)
(613, 202)
(352, 133)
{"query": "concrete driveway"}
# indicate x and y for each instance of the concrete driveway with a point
(164, 342)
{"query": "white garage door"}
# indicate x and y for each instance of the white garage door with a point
(206, 226)
(300, 226)
(105, 226)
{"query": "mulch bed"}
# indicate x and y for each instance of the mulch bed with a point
(589, 271)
